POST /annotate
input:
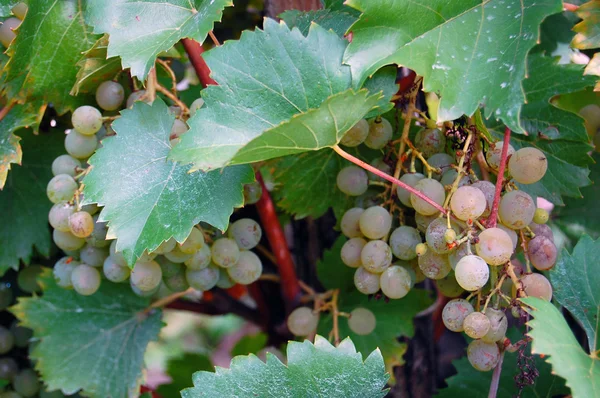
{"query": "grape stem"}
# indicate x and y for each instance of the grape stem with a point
(410, 108)
(163, 302)
(173, 98)
(493, 218)
(194, 51)
(460, 174)
(214, 38)
(496, 377)
(388, 177)
(168, 69)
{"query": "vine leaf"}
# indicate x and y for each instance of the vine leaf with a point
(312, 370)
(43, 55)
(552, 337)
(470, 52)
(279, 93)
(575, 280)
(588, 30)
(23, 201)
(93, 343)
(338, 21)
(148, 199)
(141, 30)
(95, 67)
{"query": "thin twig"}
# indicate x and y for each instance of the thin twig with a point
(406, 128)
(214, 38)
(496, 377)
(167, 68)
(151, 85)
(163, 302)
(525, 248)
(335, 312)
(461, 171)
(169, 95)
(493, 218)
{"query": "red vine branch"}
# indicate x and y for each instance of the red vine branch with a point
(493, 218)
(194, 51)
(496, 377)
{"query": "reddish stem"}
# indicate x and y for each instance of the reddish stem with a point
(493, 218)
(570, 7)
(388, 177)
(268, 216)
(496, 377)
(194, 51)
(406, 82)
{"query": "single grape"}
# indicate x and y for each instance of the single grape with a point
(542, 229)
(7, 340)
(454, 314)
(203, 279)
(225, 252)
(513, 235)
(6, 30)
(528, 165)
(247, 269)
(166, 246)
(489, 190)
(516, 209)
(537, 285)
(356, 135)
(179, 127)
(476, 325)
(414, 270)
(366, 282)
(449, 287)
(542, 253)
(450, 235)
(441, 161)
(115, 272)
(380, 133)
(80, 146)
(302, 321)
(541, 216)
(8, 368)
(27, 280)
(352, 181)
(494, 246)
(498, 325)
(98, 236)
(455, 255)
(142, 293)
(432, 189)
(136, 96)
(225, 282)
(423, 221)
(177, 282)
(93, 256)
(433, 265)
(85, 279)
(197, 104)
(403, 242)
(19, 10)
(430, 141)
(62, 271)
(65, 164)
(6, 297)
(468, 203)
(110, 95)
(193, 242)
(81, 224)
(472, 272)
(379, 164)
(246, 232)
(351, 251)
(252, 193)
(146, 275)
(410, 179)
(395, 282)
(483, 356)
(350, 222)
(61, 188)
(494, 154)
(26, 383)
(87, 120)
(375, 222)
(421, 249)
(117, 256)
(21, 334)
(66, 241)
(449, 177)
(200, 259)
(59, 216)
(436, 235)
(362, 321)
(376, 256)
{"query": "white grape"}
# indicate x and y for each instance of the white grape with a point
(410, 179)
(441, 161)
(423, 221)
(252, 193)
(498, 325)
(513, 235)
(537, 285)
(449, 177)
(472, 272)
(375, 222)
(366, 282)
(81, 224)
(489, 190)
(430, 141)
(455, 255)
(166, 246)
(197, 104)
(6, 30)
(203, 279)
(302, 321)
(117, 256)
(66, 164)
(85, 279)
(86, 120)
(177, 256)
(177, 282)
(352, 181)
(67, 241)
(93, 256)
(494, 246)
(136, 96)
(381, 165)
(403, 242)
(362, 321)
(542, 253)
(483, 356)
(528, 165)
(350, 222)
(143, 293)
(80, 146)
(110, 95)
(61, 188)
(468, 203)
(247, 269)
(146, 275)
(246, 232)
(225, 281)
(193, 242)
(225, 252)
(356, 135)
(494, 154)
(113, 271)
(449, 287)
(179, 127)
(454, 314)
(351, 251)
(200, 259)
(59, 216)
(433, 265)
(376, 256)
(395, 282)
(542, 229)
(380, 133)
(476, 325)
(435, 235)
(432, 189)
(516, 209)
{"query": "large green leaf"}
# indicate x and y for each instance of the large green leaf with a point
(319, 370)
(148, 199)
(95, 67)
(576, 282)
(43, 55)
(24, 205)
(94, 343)
(279, 93)
(140, 30)
(338, 21)
(588, 30)
(470, 52)
(552, 337)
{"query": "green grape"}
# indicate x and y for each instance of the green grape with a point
(136, 96)
(6, 30)
(81, 224)
(87, 120)
(7, 340)
(352, 181)
(67, 241)
(449, 287)
(454, 314)
(8, 368)
(435, 235)
(413, 268)
(542, 229)
(472, 272)
(93, 256)
(432, 189)
(483, 356)
(494, 154)
(143, 293)
(65, 164)
(200, 259)
(225, 282)
(380, 133)
(27, 280)
(247, 269)
(516, 209)
(513, 235)
(21, 334)
(468, 203)
(375, 222)
(26, 383)
(423, 221)
(498, 325)
(19, 10)
(376, 256)
(540, 216)
(85, 279)
(450, 235)
(421, 249)
(476, 325)
(110, 95)
(113, 271)
(59, 214)
(403, 242)
(395, 282)
(147, 257)
(450, 175)
(350, 222)
(177, 282)
(197, 104)
(362, 321)
(356, 135)
(542, 253)
(98, 236)
(193, 242)
(366, 282)
(410, 179)
(61, 188)
(203, 279)
(433, 265)
(117, 256)
(6, 297)
(80, 146)
(246, 232)
(455, 255)
(167, 246)
(225, 252)
(146, 276)
(528, 165)
(62, 271)
(179, 127)
(379, 164)
(351, 251)
(302, 321)
(177, 256)
(169, 268)
(441, 161)
(537, 285)
(252, 193)
(430, 141)
(489, 190)
(495, 246)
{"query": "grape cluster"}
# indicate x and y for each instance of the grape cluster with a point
(303, 321)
